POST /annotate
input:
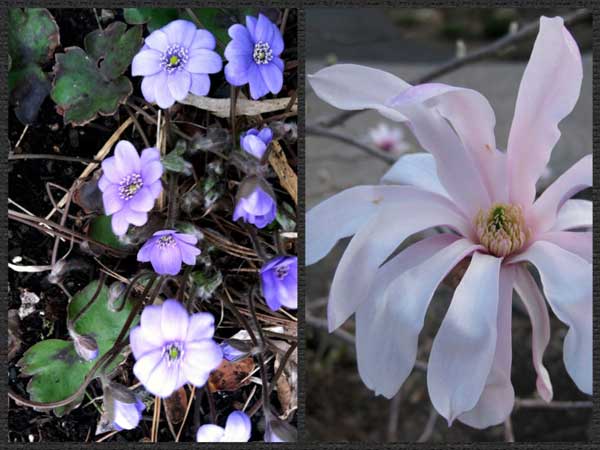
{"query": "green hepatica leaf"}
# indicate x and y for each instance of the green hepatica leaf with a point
(215, 20)
(81, 91)
(56, 369)
(101, 230)
(155, 17)
(113, 48)
(32, 39)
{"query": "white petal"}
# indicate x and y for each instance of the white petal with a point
(498, 396)
(574, 213)
(535, 304)
(342, 85)
(457, 170)
(545, 209)
(374, 243)
(567, 282)
(463, 350)
(389, 323)
(578, 242)
(416, 169)
(547, 94)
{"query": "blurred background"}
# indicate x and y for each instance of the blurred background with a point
(410, 43)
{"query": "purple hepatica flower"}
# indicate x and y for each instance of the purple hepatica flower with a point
(257, 208)
(172, 348)
(256, 142)
(167, 249)
(127, 415)
(176, 60)
(230, 353)
(279, 279)
(130, 184)
(237, 429)
(253, 56)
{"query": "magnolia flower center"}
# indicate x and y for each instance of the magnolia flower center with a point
(281, 271)
(502, 229)
(166, 241)
(173, 351)
(262, 53)
(175, 57)
(130, 185)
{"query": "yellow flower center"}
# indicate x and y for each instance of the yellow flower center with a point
(502, 229)
(173, 60)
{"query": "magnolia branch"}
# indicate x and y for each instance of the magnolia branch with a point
(504, 45)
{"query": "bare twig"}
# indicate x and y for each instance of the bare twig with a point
(429, 426)
(319, 130)
(542, 404)
(20, 156)
(494, 49)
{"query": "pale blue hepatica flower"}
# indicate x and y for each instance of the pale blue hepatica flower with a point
(253, 56)
(174, 61)
(237, 429)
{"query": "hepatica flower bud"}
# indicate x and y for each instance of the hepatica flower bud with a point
(130, 184)
(256, 142)
(254, 205)
(172, 348)
(123, 407)
(167, 250)
(237, 429)
(253, 56)
(85, 346)
(176, 60)
(279, 280)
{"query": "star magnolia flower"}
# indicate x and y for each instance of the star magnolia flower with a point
(388, 139)
(130, 184)
(172, 348)
(176, 60)
(237, 429)
(167, 249)
(253, 56)
(279, 280)
(487, 198)
(256, 206)
(256, 142)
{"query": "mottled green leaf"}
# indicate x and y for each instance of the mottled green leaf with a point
(155, 17)
(32, 39)
(101, 230)
(81, 91)
(56, 369)
(113, 48)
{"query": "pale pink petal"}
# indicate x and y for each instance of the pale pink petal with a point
(463, 350)
(567, 283)
(415, 211)
(340, 86)
(574, 213)
(547, 94)
(545, 209)
(579, 242)
(473, 119)
(349, 211)
(498, 396)
(389, 323)
(535, 304)
(416, 169)
(436, 136)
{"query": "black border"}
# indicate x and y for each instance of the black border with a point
(594, 6)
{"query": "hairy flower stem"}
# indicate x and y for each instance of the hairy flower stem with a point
(261, 361)
(256, 242)
(90, 302)
(241, 319)
(172, 211)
